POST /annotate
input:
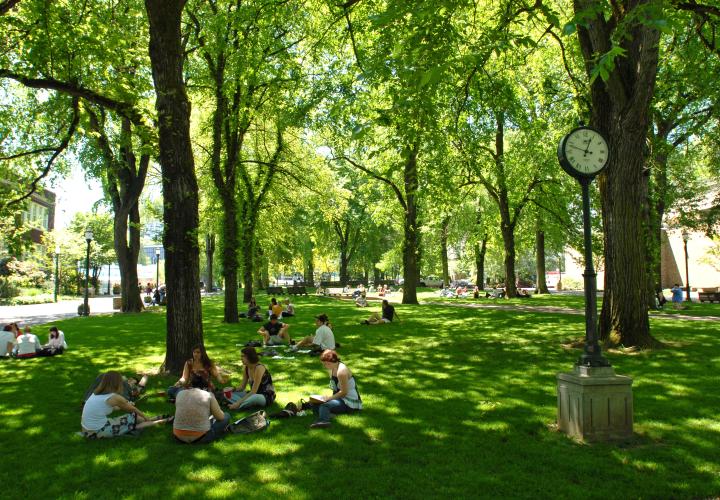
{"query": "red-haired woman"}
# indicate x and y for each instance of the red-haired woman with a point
(345, 397)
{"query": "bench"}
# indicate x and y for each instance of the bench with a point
(296, 290)
(275, 290)
(709, 296)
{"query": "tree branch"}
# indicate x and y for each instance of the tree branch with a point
(380, 178)
(61, 147)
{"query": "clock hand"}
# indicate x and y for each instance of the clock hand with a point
(576, 147)
(587, 146)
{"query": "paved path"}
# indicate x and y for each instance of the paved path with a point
(564, 310)
(47, 313)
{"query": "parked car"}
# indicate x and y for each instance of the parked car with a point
(431, 281)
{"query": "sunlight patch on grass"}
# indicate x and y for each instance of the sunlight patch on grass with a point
(205, 474)
(493, 426)
(704, 424)
(223, 489)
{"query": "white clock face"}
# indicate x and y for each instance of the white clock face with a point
(586, 150)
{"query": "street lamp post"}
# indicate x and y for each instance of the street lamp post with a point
(686, 237)
(86, 305)
(57, 272)
(157, 268)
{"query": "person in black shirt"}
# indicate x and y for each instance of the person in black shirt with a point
(275, 332)
(388, 314)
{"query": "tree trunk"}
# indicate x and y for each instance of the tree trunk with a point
(620, 110)
(444, 252)
(508, 235)
(480, 251)
(248, 254)
(209, 254)
(411, 232)
(310, 269)
(180, 189)
(229, 257)
(127, 256)
(541, 282)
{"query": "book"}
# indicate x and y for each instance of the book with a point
(316, 398)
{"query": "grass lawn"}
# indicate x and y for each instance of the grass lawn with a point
(459, 402)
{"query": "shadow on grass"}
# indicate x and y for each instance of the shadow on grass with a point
(458, 402)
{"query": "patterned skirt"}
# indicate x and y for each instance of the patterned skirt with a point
(113, 427)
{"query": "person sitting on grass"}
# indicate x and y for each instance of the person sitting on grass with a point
(198, 416)
(388, 314)
(105, 399)
(262, 392)
(8, 341)
(275, 332)
(275, 308)
(56, 339)
(253, 310)
(361, 301)
(28, 345)
(323, 339)
(523, 294)
(200, 364)
(345, 397)
(289, 309)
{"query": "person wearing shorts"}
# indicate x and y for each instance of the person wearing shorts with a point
(275, 332)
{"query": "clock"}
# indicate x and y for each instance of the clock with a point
(583, 153)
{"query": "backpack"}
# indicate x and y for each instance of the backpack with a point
(257, 421)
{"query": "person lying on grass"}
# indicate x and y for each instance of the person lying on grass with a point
(275, 332)
(345, 397)
(106, 398)
(388, 314)
(198, 416)
(262, 392)
(200, 364)
(323, 339)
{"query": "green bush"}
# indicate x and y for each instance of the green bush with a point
(8, 289)
(23, 273)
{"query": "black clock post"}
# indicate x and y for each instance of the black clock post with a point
(591, 355)
(594, 404)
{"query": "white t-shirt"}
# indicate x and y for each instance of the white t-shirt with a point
(5, 339)
(324, 337)
(95, 412)
(27, 343)
(59, 341)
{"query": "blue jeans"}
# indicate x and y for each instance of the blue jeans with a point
(217, 429)
(324, 410)
(173, 391)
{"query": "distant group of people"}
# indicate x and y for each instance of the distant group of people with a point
(18, 343)
(286, 310)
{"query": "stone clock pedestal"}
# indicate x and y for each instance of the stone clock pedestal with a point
(595, 404)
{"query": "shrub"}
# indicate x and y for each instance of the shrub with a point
(8, 289)
(23, 273)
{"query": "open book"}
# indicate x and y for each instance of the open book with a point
(316, 398)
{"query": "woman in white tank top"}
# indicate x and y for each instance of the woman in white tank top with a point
(105, 399)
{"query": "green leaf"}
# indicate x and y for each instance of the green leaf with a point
(569, 29)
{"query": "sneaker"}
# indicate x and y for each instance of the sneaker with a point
(319, 425)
